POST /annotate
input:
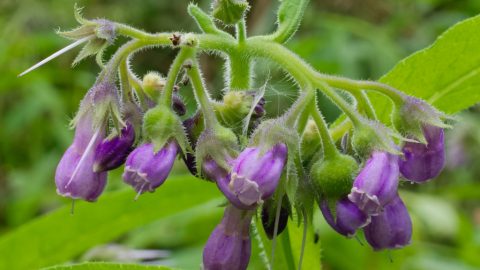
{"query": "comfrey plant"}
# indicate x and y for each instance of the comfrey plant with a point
(270, 170)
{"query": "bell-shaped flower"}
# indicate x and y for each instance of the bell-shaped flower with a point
(229, 245)
(390, 229)
(376, 184)
(422, 162)
(145, 169)
(111, 153)
(348, 218)
(254, 176)
(75, 177)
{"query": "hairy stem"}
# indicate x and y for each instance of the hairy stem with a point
(329, 148)
(175, 68)
(201, 94)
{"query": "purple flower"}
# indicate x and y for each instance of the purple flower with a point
(229, 245)
(392, 228)
(254, 177)
(423, 162)
(376, 184)
(74, 176)
(348, 217)
(111, 153)
(146, 169)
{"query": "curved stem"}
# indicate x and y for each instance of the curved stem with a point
(341, 103)
(298, 107)
(329, 148)
(364, 104)
(201, 94)
(175, 68)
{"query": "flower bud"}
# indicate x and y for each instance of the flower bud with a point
(392, 228)
(229, 11)
(74, 176)
(146, 169)
(269, 212)
(422, 162)
(254, 176)
(311, 144)
(229, 245)
(153, 84)
(373, 136)
(111, 153)
(332, 176)
(376, 184)
(348, 217)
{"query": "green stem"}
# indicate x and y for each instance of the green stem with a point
(300, 105)
(341, 103)
(239, 68)
(364, 104)
(124, 80)
(175, 68)
(339, 130)
(201, 94)
(241, 30)
(329, 148)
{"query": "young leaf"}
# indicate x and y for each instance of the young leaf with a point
(289, 17)
(59, 236)
(446, 74)
(106, 266)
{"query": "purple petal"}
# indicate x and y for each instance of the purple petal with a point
(145, 170)
(423, 162)
(376, 184)
(348, 219)
(112, 153)
(390, 229)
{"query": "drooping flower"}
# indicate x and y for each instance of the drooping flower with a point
(348, 217)
(145, 169)
(422, 162)
(376, 184)
(111, 153)
(390, 229)
(75, 177)
(254, 177)
(229, 245)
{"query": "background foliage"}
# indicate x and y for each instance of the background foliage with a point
(358, 39)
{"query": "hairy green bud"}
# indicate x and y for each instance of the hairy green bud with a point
(332, 177)
(229, 11)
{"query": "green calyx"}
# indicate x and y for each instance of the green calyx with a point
(410, 117)
(371, 136)
(160, 124)
(235, 106)
(332, 176)
(219, 144)
(229, 11)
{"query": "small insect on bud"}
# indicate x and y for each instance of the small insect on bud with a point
(422, 162)
(348, 218)
(376, 184)
(112, 152)
(392, 228)
(145, 169)
(254, 176)
(229, 245)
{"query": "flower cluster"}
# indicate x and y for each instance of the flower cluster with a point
(275, 168)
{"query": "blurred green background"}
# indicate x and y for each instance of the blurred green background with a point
(358, 39)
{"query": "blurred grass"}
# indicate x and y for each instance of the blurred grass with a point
(359, 39)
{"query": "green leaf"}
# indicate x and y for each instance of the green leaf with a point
(106, 266)
(446, 74)
(289, 16)
(59, 236)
